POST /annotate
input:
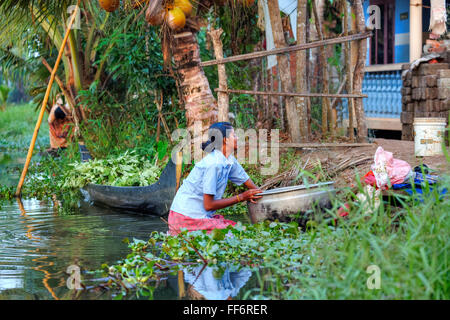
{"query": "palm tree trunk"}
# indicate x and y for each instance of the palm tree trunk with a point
(199, 102)
(76, 60)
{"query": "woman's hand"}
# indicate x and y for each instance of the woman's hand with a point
(250, 195)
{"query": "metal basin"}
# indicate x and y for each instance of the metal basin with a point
(283, 202)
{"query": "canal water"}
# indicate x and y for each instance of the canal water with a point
(37, 246)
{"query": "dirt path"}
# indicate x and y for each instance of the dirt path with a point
(343, 163)
(403, 150)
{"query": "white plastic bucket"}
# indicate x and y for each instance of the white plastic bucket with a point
(428, 136)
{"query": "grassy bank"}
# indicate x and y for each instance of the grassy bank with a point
(17, 123)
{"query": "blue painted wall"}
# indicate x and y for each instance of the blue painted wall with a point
(366, 4)
(401, 53)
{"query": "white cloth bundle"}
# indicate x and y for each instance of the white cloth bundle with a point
(438, 17)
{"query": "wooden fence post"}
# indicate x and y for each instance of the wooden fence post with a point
(301, 62)
(349, 71)
(359, 72)
(284, 72)
(222, 97)
(325, 102)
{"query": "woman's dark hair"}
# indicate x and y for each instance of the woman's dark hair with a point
(216, 132)
(59, 114)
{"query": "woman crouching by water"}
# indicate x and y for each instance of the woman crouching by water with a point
(201, 193)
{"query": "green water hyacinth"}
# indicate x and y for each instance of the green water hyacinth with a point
(244, 245)
(127, 169)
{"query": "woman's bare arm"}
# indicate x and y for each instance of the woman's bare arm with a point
(210, 204)
(250, 185)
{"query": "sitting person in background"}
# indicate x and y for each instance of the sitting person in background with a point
(59, 120)
(201, 193)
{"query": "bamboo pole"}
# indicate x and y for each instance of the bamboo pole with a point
(323, 145)
(314, 44)
(158, 129)
(44, 102)
(359, 72)
(289, 110)
(300, 78)
(295, 94)
(415, 30)
(344, 81)
(161, 116)
(307, 72)
(181, 289)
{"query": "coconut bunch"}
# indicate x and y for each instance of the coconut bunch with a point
(109, 5)
(173, 13)
(171, 16)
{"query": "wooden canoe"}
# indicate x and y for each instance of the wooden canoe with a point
(154, 199)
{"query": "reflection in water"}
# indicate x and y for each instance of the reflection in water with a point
(46, 273)
(25, 220)
(30, 236)
(215, 284)
(37, 246)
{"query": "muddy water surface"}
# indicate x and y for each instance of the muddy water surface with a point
(37, 246)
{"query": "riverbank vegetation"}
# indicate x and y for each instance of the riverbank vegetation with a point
(328, 259)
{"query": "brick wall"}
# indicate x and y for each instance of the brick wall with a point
(425, 94)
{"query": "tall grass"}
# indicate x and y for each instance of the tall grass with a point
(410, 246)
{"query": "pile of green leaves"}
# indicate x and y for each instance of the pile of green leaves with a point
(127, 169)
